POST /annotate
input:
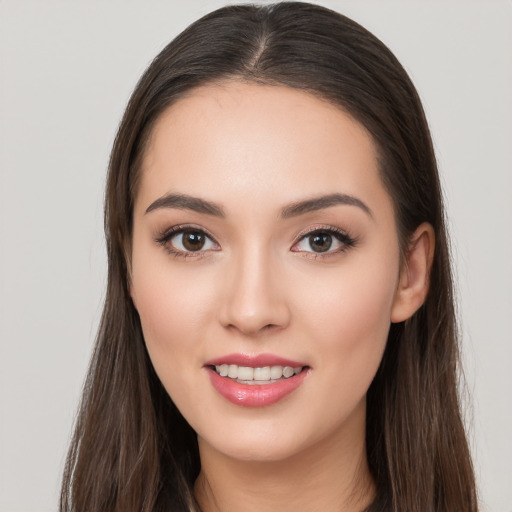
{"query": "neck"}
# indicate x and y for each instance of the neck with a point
(332, 475)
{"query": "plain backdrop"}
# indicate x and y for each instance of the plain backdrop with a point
(66, 72)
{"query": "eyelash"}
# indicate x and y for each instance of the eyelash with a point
(346, 241)
(341, 236)
(168, 234)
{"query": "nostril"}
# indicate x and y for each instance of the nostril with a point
(253, 329)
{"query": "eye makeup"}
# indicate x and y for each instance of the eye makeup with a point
(187, 241)
(323, 241)
(192, 241)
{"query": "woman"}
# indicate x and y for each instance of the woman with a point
(278, 329)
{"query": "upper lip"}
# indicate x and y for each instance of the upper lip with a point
(254, 360)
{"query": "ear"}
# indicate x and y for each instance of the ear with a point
(415, 274)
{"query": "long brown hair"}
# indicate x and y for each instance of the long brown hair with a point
(132, 450)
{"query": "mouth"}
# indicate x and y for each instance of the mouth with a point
(255, 381)
(261, 375)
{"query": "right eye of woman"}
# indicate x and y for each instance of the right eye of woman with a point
(187, 241)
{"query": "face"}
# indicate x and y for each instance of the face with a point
(264, 248)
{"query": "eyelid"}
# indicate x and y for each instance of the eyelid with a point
(164, 238)
(320, 227)
(166, 233)
(341, 235)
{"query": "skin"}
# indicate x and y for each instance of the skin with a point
(259, 287)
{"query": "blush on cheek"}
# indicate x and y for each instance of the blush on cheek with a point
(166, 300)
(356, 322)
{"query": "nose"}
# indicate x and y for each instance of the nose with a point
(254, 298)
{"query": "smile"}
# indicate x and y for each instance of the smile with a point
(255, 381)
(260, 375)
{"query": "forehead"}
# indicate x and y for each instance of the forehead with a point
(239, 138)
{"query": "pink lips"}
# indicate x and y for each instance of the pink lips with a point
(255, 395)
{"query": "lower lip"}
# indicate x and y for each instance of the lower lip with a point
(255, 395)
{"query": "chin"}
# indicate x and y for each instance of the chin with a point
(255, 450)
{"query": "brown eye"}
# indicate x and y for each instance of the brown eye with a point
(320, 242)
(182, 241)
(193, 240)
(328, 240)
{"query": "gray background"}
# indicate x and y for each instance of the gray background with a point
(66, 71)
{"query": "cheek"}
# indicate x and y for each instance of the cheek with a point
(349, 316)
(173, 307)
(172, 323)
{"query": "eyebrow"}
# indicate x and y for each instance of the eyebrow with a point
(196, 204)
(319, 203)
(185, 202)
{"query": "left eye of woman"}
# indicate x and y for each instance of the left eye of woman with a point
(323, 241)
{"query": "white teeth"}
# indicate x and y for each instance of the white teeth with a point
(245, 373)
(253, 375)
(287, 371)
(233, 371)
(276, 372)
(262, 373)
